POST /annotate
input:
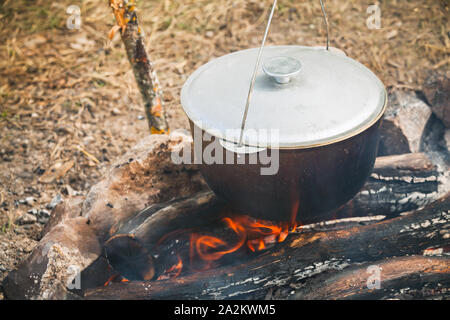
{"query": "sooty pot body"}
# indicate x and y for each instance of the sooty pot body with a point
(310, 184)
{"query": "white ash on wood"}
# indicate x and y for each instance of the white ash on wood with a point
(409, 277)
(399, 183)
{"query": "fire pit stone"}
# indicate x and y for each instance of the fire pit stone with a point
(404, 123)
(437, 93)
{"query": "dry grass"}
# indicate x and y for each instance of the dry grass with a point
(69, 103)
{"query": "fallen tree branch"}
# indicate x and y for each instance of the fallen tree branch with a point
(146, 78)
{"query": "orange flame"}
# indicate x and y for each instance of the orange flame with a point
(110, 280)
(254, 234)
(208, 247)
(174, 271)
(114, 277)
(176, 268)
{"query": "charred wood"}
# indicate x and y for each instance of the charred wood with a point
(302, 256)
(398, 184)
(413, 277)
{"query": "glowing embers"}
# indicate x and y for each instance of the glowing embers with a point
(173, 271)
(116, 278)
(241, 235)
(228, 240)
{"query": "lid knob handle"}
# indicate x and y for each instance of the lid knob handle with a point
(282, 69)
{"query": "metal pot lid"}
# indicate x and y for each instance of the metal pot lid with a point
(309, 96)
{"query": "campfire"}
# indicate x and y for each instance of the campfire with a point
(156, 229)
(189, 244)
(188, 251)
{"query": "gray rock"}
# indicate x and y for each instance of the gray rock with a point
(404, 124)
(129, 188)
(44, 213)
(29, 201)
(43, 216)
(67, 249)
(447, 139)
(437, 91)
(55, 201)
(26, 219)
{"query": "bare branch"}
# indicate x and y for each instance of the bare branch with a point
(133, 38)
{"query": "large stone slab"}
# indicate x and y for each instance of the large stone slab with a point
(437, 91)
(404, 123)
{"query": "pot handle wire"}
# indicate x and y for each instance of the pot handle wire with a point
(258, 62)
(255, 72)
(325, 19)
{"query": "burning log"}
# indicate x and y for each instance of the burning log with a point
(129, 250)
(398, 184)
(129, 257)
(301, 257)
(152, 223)
(401, 179)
